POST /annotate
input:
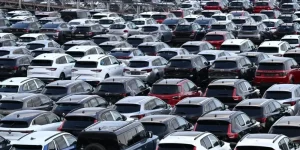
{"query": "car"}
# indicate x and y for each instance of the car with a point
(26, 38)
(8, 36)
(87, 31)
(174, 90)
(289, 8)
(41, 44)
(76, 22)
(231, 91)
(21, 85)
(272, 14)
(187, 32)
(288, 18)
(193, 67)
(232, 67)
(238, 45)
(256, 32)
(51, 66)
(72, 43)
(265, 141)
(72, 102)
(126, 53)
(265, 111)
(15, 65)
(45, 139)
(209, 13)
(140, 22)
(17, 19)
(223, 17)
(255, 57)
(138, 107)
(109, 45)
(216, 38)
(44, 20)
(22, 27)
(151, 48)
(11, 14)
(276, 70)
(173, 22)
(293, 40)
(148, 68)
(59, 31)
(191, 6)
(69, 14)
(292, 53)
(42, 14)
(28, 121)
(79, 119)
(108, 137)
(191, 108)
(11, 50)
(258, 17)
(229, 126)
(160, 31)
(194, 47)
(24, 101)
(274, 48)
(240, 5)
(263, 5)
(192, 140)
(212, 55)
(60, 88)
(240, 20)
(224, 26)
(287, 29)
(124, 30)
(98, 39)
(77, 52)
(130, 17)
(40, 51)
(115, 88)
(273, 24)
(168, 53)
(161, 16)
(181, 13)
(101, 14)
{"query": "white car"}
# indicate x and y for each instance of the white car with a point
(265, 142)
(11, 50)
(144, 21)
(274, 48)
(193, 140)
(80, 51)
(75, 22)
(124, 30)
(51, 66)
(223, 17)
(50, 140)
(26, 38)
(107, 21)
(95, 68)
(8, 36)
(293, 40)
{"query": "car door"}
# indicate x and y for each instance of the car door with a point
(69, 65)
(116, 66)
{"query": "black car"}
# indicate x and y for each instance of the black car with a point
(173, 22)
(79, 119)
(115, 88)
(70, 14)
(59, 31)
(288, 126)
(229, 126)
(293, 53)
(240, 5)
(72, 43)
(193, 67)
(116, 135)
(14, 65)
(60, 88)
(265, 111)
(255, 57)
(287, 29)
(40, 51)
(25, 101)
(232, 67)
(289, 8)
(231, 91)
(72, 102)
(187, 32)
(288, 18)
(88, 31)
(98, 39)
(23, 27)
(206, 23)
(162, 125)
(191, 108)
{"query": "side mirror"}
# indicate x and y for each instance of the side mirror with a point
(149, 134)
(294, 66)
(198, 88)
(221, 143)
(225, 107)
(253, 121)
(124, 118)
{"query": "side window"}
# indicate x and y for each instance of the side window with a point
(79, 88)
(51, 146)
(246, 118)
(277, 105)
(39, 82)
(52, 117)
(105, 61)
(191, 85)
(70, 139)
(140, 84)
(25, 87)
(50, 44)
(175, 124)
(289, 143)
(114, 60)
(61, 60)
(32, 85)
(70, 59)
(181, 121)
(212, 105)
(218, 103)
(93, 102)
(117, 115)
(61, 142)
(214, 140)
(108, 116)
(41, 120)
(282, 145)
(131, 136)
(271, 107)
(186, 87)
(240, 120)
(36, 102)
(205, 142)
(243, 87)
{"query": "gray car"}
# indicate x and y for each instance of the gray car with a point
(147, 68)
(256, 32)
(160, 31)
(258, 17)
(138, 107)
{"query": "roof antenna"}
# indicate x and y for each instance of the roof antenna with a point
(288, 122)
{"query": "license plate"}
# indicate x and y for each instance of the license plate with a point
(135, 73)
(79, 35)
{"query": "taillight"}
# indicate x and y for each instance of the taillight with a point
(15, 68)
(61, 126)
(291, 103)
(51, 69)
(147, 70)
(262, 120)
(124, 70)
(236, 97)
(95, 120)
(90, 33)
(97, 70)
(282, 74)
(230, 134)
(139, 116)
(74, 70)
(195, 126)
(123, 94)
(125, 31)
(195, 148)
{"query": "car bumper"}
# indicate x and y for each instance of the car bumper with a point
(267, 82)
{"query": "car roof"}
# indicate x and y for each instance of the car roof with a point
(184, 57)
(213, 52)
(110, 126)
(104, 35)
(23, 115)
(37, 138)
(275, 60)
(144, 58)
(271, 20)
(169, 81)
(251, 24)
(35, 35)
(112, 43)
(14, 81)
(89, 111)
(151, 43)
(254, 102)
(75, 98)
(283, 87)
(81, 48)
(218, 115)
(157, 118)
(48, 18)
(194, 100)
(76, 42)
(122, 49)
(171, 49)
(63, 83)
(19, 96)
(229, 58)
(288, 121)
(49, 56)
(122, 79)
(217, 33)
(184, 137)
(197, 43)
(228, 82)
(135, 100)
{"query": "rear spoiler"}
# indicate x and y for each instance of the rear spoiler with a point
(20, 131)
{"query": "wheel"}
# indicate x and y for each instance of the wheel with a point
(106, 76)
(94, 147)
(62, 76)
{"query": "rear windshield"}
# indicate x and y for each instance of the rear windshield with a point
(117, 26)
(106, 22)
(165, 89)
(86, 64)
(34, 46)
(257, 18)
(236, 14)
(75, 54)
(107, 48)
(159, 17)
(9, 88)
(251, 111)
(287, 6)
(180, 63)
(249, 28)
(212, 4)
(183, 28)
(111, 87)
(224, 64)
(203, 21)
(285, 130)
(148, 50)
(177, 14)
(98, 16)
(99, 40)
(253, 59)
(78, 121)
(261, 4)
(170, 21)
(10, 105)
(219, 18)
(208, 14)
(269, 14)
(191, 48)
(138, 64)
(283, 28)
(69, 106)
(186, 5)
(214, 37)
(26, 39)
(14, 124)
(37, 62)
(269, 23)
(2, 53)
(128, 108)
(146, 16)
(84, 29)
(209, 57)
(188, 109)
(119, 54)
(175, 147)
(168, 54)
(295, 56)
(253, 148)
(7, 62)
(136, 41)
(67, 46)
(277, 95)
(54, 90)
(156, 128)
(286, 19)
(212, 126)
(268, 49)
(20, 25)
(291, 41)
(139, 22)
(50, 25)
(230, 47)
(37, 53)
(236, 4)
(271, 66)
(213, 91)
(218, 27)
(149, 29)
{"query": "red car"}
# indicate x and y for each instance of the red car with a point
(174, 90)
(216, 5)
(276, 70)
(160, 17)
(181, 13)
(262, 5)
(216, 38)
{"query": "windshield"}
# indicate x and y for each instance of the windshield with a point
(251, 111)
(73, 122)
(11, 105)
(7, 62)
(291, 41)
(286, 19)
(209, 57)
(99, 16)
(14, 21)
(50, 25)
(268, 49)
(107, 48)
(271, 66)
(120, 54)
(218, 26)
(9, 88)
(295, 56)
(261, 4)
(20, 25)
(67, 106)
(185, 5)
(190, 19)
(214, 38)
(202, 21)
(54, 90)
(37, 62)
(34, 46)
(257, 18)
(253, 59)
(75, 54)
(155, 128)
(106, 22)
(148, 50)
(224, 65)
(219, 18)
(177, 13)
(165, 89)
(183, 28)
(212, 4)
(149, 29)
(86, 64)
(269, 24)
(238, 21)
(175, 146)
(117, 26)
(26, 39)
(139, 22)
(277, 95)
(168, 54)
(283, 28)
(269, 14)
(128, 108)
(99, 40)
(83, 29)
(180, 63)
(159, 17)
(138, 64)
(135, 41)
(236, 4)
(67, 46)
(188, 109)
(237, 14)
(13, 124)
(213, 91)
(74, 23)
(191, 48)
(212, 126)
(285, 130)
(230, 47)
(249, 28)
(208, 14)
(111, 87)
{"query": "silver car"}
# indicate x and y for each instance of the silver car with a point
(137, 107)
(147, 68)
(123, 30)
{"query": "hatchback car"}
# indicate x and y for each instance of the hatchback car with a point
(15, 65)
(187, 32)
(21, 85)
(216, 38)
(283, 93)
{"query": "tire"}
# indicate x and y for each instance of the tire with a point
(62, 76)
(94, 147)
(106, 76)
